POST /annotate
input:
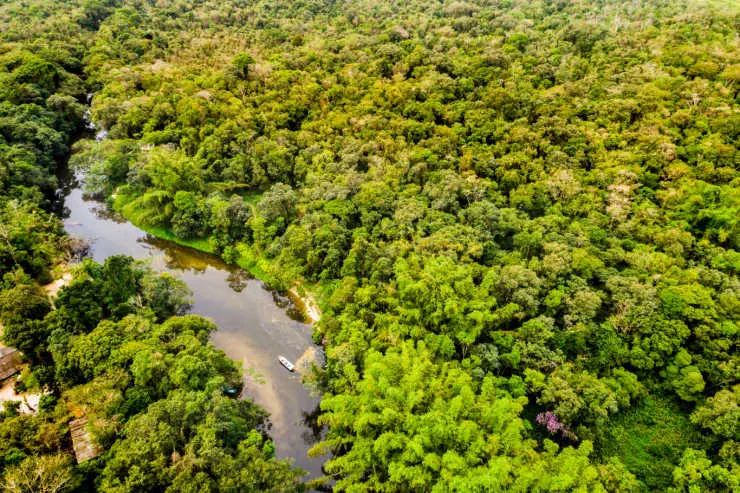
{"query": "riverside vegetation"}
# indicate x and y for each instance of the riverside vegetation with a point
(520, 219)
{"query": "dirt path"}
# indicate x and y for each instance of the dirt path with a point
(29, 401)
(52, 289)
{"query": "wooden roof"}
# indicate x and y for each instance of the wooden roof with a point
(85, 448)
(8, 362)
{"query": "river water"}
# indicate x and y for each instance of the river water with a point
(255, 324)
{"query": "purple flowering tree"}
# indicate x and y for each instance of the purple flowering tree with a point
(550, 421)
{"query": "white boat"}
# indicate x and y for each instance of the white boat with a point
(287, 364)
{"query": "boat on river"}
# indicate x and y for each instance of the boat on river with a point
(287, 364)
(231, 391)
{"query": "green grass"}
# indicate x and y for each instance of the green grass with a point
(251, 196)
(649, 439)
(127, 208)
(201, 244)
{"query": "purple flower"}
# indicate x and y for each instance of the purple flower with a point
(550, 421)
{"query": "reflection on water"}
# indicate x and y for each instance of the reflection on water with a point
(289, 306)
(238, 280)
(102, 212)
(178, 258)
(313, 433)
(255, 324)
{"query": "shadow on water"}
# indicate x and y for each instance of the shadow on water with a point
(255, 324)
(314, 432)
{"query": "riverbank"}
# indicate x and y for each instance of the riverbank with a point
(305, 302)
(248, 259)
(119, 207)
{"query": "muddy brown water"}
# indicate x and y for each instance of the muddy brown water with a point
(255, 324)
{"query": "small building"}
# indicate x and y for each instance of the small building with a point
(84, 447)
(9, 362)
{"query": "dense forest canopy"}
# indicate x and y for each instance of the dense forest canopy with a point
(520, 218)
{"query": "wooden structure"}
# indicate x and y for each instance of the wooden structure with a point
(8, 362)
(84, 447)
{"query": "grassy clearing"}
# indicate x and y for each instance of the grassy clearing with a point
(127, 209)
(649, 439)
(251, 196)
(201, 244)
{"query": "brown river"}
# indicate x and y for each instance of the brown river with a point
(255, 324)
